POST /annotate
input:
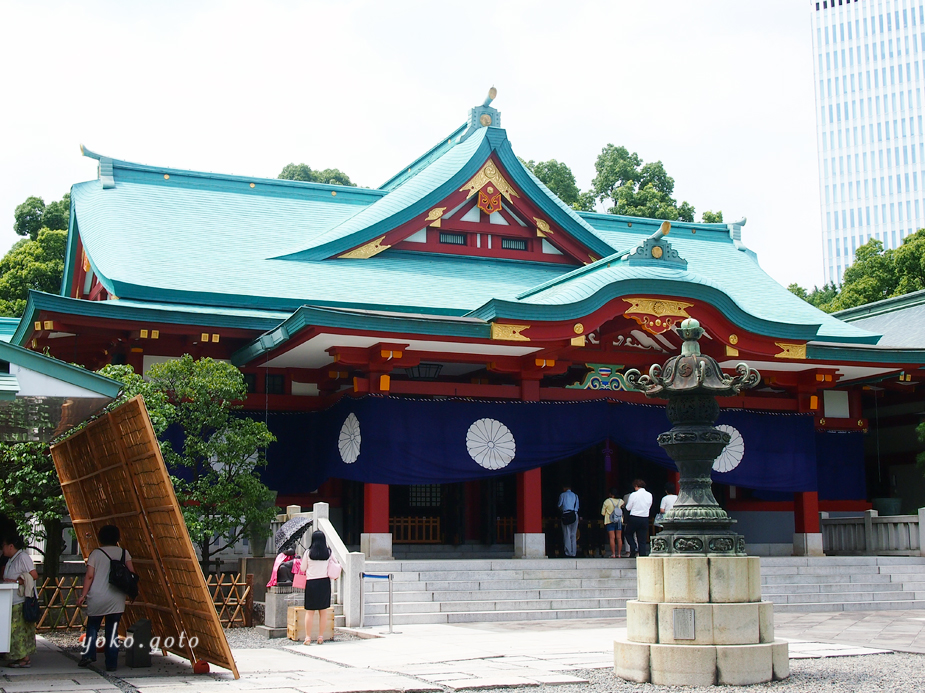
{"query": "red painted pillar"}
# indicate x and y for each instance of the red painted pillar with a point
(806, 512)
(530, 484)
(674, 478)
(530, 502)
(376, 508)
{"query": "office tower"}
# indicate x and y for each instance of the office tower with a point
(868, 63)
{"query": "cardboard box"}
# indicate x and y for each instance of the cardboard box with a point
(295, 624)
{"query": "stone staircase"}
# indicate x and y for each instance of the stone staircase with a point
(844, 583)
(460, 591)
(481, 590)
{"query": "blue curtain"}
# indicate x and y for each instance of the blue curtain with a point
(393, 440)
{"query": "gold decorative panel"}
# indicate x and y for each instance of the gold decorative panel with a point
(510, 333)
(791, 351)
(656, 315)
(366, 251)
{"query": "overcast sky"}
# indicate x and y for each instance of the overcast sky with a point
(719, 90)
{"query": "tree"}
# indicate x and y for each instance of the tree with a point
(909, 261)
(303, 172)
(871, 277)
(31, 264)
(213, 464)
(637, 189)
(58, 214)
(821, 298)
(559, 178)
(30, 495)
(32, 216)
(712, 217)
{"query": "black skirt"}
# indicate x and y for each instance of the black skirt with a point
(318, 594)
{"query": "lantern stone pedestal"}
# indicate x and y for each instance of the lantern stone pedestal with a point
(698, 619)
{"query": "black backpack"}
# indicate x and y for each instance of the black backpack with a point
(121, 577)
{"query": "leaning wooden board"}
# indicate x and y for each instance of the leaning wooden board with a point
(112, 472)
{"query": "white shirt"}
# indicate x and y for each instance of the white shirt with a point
(639, 504)
(19, 563)
(668, 502)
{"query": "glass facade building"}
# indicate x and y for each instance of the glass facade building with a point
(869, 65)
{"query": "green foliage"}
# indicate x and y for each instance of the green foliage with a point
(712, 217)
(58, 214)
(31, 264)
(213, 467)
(821, 298)
(559, 178)
(637, 189)
(30, 493)
(32, 216)
(303, 172)
(871, 277)
(875, 274)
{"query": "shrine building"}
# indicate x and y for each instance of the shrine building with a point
(440, 355)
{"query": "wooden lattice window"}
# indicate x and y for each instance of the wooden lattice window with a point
(424, 496)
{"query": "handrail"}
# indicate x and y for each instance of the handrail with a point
(350, 584)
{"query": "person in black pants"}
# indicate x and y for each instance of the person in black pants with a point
(637, 526)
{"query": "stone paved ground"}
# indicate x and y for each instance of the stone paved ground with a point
(565, 656)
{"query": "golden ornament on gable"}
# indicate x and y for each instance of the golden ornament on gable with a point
(434, 216)
(542, 227)
(489, 174)
(366, 251)
(656, 315)
(657, 252)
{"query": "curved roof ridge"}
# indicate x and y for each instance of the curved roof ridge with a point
(430, 185)
(231, 177)
(422, 161)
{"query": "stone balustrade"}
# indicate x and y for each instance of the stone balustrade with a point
(872, 535)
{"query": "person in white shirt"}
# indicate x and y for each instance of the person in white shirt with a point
(637, 526)
(668, 500)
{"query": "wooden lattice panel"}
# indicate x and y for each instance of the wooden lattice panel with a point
(112, 472)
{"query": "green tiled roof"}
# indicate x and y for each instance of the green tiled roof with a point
(718, 272)
(188, 246)
(901, 319)
(8, 328)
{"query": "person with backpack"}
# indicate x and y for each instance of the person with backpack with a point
(568, 507)
(103, 599)
(613, 522)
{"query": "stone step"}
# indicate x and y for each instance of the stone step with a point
(497, 605)
(820, 570)
(519, 565)
(844, 587)
(848, 606)
(902, 569)
(874, 597)
(493, 616)
(823, 579)
(775, 561)
(628, 592)
(574, 583)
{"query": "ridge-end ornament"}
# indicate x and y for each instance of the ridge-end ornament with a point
(366, 251)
